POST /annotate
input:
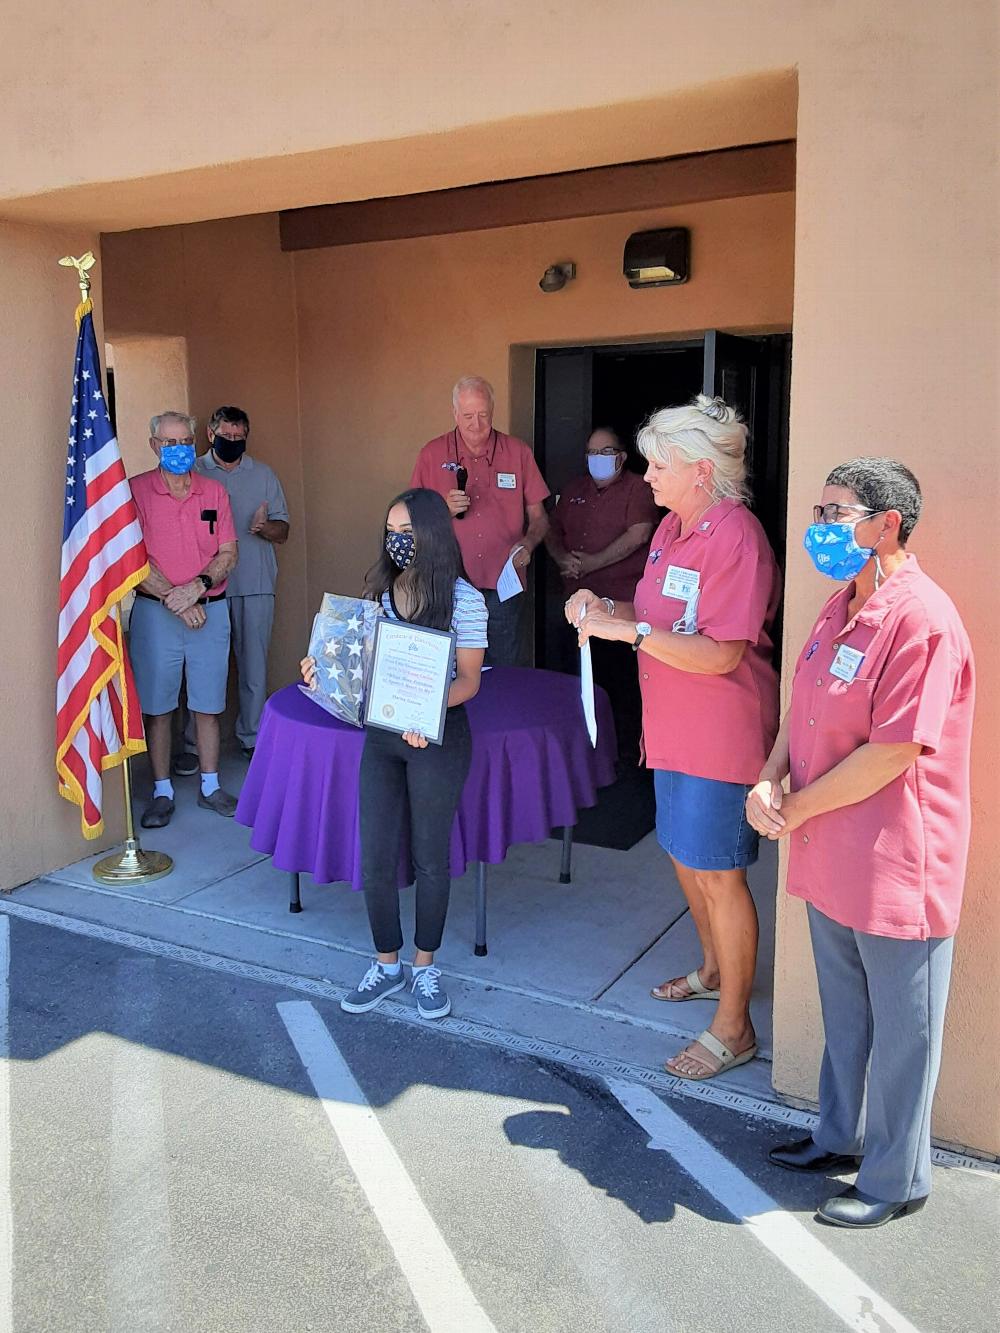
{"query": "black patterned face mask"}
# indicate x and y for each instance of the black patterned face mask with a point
(400, 548)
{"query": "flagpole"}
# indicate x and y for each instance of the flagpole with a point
(131, 865)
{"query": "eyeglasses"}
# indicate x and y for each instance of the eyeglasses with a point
(160, 440)
(608, 451)
(836, 513)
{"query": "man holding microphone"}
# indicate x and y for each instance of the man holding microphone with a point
(495, 493)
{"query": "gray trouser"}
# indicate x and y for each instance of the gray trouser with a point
(252, 619)
(505, 630)
(883, 1017)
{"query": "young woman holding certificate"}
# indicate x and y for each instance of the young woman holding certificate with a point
(419, 578)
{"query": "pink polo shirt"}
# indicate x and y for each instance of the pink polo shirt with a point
(183, 536)
(894, 863)
(719, 727)
(502, 482)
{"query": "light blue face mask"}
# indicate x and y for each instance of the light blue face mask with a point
(602, 467)
(833, 550)
(177, 458)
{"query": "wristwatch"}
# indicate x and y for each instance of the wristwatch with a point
(207, 582)
(641, 631)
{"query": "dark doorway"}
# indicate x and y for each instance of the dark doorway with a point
(580, 388)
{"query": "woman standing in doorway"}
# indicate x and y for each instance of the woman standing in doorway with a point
(418, 577)
(700, 627)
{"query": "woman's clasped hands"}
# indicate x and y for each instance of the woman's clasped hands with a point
(773, 812)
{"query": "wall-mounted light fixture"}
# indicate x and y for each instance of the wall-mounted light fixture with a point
(657, 258)
(556, 276)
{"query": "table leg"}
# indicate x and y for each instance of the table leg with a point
(566, 865)
(295, 897)
(480, 949)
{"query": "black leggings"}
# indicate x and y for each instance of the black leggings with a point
(399, 781)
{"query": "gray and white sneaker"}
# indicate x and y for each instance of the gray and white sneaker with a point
(432, 998)
(372, 989)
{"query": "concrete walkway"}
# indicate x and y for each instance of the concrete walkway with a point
(568, 965)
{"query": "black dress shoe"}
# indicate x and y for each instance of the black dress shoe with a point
(157, 813)
(854, 1209)
(804, 1155)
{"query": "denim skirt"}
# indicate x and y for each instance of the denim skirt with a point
(702, 823)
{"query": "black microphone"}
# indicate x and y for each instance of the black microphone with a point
(461, 478)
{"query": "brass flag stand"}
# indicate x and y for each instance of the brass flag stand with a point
(131, 865)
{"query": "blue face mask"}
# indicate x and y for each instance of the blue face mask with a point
(177, 458)
(834, 552)
(400, 548)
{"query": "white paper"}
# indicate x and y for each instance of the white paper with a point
(509, 582)
(587, 692)
(409, 672)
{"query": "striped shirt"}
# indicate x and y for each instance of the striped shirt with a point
(468, 617)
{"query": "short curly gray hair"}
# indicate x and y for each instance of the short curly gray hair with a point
(156, 422)
(473, 384)
(706, 428)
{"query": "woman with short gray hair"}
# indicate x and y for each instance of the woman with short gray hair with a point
(700, 625)
(876, 748)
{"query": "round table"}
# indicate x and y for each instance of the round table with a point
(532, 768)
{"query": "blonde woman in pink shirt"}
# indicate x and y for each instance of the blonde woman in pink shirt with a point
(700, 626)
(875, 747)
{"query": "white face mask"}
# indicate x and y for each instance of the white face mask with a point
(602, 467)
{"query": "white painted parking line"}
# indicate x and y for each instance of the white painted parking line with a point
(596, 1066)
(6, 1203)
(439, 1288)
(842, 1291)
(139, 1250)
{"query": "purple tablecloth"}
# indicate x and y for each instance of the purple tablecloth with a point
(532, 768)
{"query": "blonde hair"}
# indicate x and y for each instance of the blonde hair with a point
(706, 428)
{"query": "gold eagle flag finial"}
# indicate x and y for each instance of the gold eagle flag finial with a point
(82, 266)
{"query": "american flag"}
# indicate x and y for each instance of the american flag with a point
(98, 718)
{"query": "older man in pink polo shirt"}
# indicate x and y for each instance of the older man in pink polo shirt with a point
(495, 492)
(876, 749)
(180, 622)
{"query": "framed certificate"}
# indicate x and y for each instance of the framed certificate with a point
(411, 674)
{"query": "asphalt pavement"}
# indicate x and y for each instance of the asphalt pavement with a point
(188, 1148)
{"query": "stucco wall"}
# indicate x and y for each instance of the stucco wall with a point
(226, 289)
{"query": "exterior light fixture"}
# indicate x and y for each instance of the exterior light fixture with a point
(556, 276)
(657, 258)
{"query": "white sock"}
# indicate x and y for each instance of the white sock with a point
(163, 788)
(420, 967)
(391, 969)
(209, 783)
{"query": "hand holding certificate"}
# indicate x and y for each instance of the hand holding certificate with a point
(411, 675)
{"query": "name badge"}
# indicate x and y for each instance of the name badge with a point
(846, 663)
(681, 583)
(507, 481)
